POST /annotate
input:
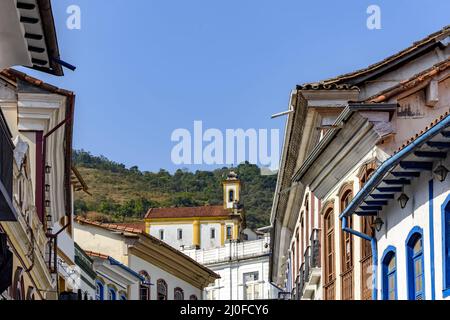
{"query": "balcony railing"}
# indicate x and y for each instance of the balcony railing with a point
(7, 212)
(294, 294)
(347, 284)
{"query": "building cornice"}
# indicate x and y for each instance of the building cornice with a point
(173, 262)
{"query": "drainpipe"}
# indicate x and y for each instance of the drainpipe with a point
(373, 245)
(43, 164)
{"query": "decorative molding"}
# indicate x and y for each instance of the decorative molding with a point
(371, 164)
(329, 204)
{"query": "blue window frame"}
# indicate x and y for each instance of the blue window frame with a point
(99, 293)
(389, 274)
(112, 294)
(415, 264)
(446, 247)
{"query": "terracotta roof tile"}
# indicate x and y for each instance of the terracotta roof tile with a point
(417, 135)
(411, 82)
(13, 75)
(96, 254)
(339, 82)
(188, 212)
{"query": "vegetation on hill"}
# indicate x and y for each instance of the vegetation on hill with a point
(125, 194)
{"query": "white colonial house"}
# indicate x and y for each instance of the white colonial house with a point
(413, 214)
(166, 273)
(40, 119)
(243, 268)
(348, 157)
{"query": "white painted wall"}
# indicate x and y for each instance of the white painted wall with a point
(231, 284)
(205, 235)
(231, 262)
(106, 242)
(101, 241)
(156, 273)
(399, 222)
(171, 234)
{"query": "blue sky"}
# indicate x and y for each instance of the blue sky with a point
(148, 67)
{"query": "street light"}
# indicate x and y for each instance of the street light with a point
(378, 224)
(403, 200)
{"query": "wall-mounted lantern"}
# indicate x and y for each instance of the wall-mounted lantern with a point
(441, 173)
(378, 224)
(403, 200)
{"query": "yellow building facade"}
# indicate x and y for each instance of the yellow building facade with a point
(202, 227)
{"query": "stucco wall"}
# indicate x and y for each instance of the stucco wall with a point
(171, 233)
(156, 273)
(230, 285)
(100, 241)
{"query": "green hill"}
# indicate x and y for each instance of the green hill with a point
(125, 194)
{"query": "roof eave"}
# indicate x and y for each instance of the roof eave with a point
(390, 163)
(51, 40)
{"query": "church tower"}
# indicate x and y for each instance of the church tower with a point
(231, 190)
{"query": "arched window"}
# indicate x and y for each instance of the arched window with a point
(162, 289)
(112, 294)
(297, 253)
(144, 287)
(347, 241)
(123, 296)
(415, 265)
(99, 290)
(301, 243)
(293, 258)
(178, 294)
(193, 297)
(329, 257)
(346, 248)
(231, 195)
(389, 274)
(18, 285)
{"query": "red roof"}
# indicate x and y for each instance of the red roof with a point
(132, 225)
(188, 212)
(96, 254)
(341, 82)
